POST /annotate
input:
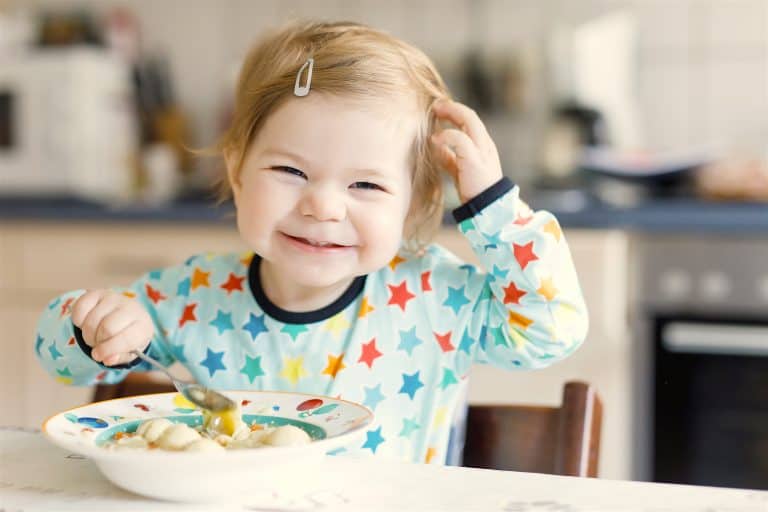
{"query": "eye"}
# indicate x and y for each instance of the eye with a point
(367, 185)
(289, 170)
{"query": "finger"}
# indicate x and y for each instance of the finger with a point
(117, 349)
(106, 305)
(460, 144)
(465, 119)
(83, 305)
(114, 322)
(446, 159)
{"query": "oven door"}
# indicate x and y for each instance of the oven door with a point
(710, 401)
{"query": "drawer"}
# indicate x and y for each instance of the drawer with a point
(60, 257)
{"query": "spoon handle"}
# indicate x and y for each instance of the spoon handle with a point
(151, 361)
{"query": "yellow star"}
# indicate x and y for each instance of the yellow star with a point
(246, 258)
(547, 289)
(335, 365)
(395, 261)
(200, 278)
(441, 415)
(293, 369)
(64, 380)
(365, 308)
(430, 455)
(553, 228)
(520, 320)
(517, 338)
(129, 294)
(336, 324)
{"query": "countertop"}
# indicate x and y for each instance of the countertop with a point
(658, 215)
(40, 476)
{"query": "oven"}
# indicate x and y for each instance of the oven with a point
(702, 360)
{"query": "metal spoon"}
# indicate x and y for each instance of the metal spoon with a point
(199, 395)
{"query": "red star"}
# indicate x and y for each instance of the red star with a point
(425, 286)
(522, 221)
(400, 295)
(445, 341)
(101, 376)
(188, 315)
(154, 295)
(513, 294)
(369, 353)
(71, 341)
(524, 254)
(65, 306)
(233, 283)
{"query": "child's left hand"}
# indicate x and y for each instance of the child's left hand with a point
(466, 152)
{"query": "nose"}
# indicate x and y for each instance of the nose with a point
(322, 203)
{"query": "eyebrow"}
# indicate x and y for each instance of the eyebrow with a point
(297, 158)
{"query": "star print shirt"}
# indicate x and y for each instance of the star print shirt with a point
(400, 340)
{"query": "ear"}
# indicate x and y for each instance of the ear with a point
(233, 173)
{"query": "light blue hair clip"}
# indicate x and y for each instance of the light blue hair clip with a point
(303, 90)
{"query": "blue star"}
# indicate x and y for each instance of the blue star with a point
(156, 274)
(178, 353)
(483, 337)
(373, 439)
(501, 273)
(411, 384)
(409, 341)
(38, 344)
(469, 268)
(466, 342)
(55, 354)
(466, 226)
(255, 326)
(493, 240)
(372, 397)
(190, 260)
(213, 362)
(55, 303)
(183, 289)
(456, 299)
(222, 322)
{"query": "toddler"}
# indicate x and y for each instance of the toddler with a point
(334, 157)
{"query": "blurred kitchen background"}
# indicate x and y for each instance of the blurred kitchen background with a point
(642, 124)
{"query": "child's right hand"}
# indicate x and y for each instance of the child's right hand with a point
(113, 325)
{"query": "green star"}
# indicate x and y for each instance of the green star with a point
(448, 378)
(497, 335)
(252, 368)
(408, 427)
(294, 330)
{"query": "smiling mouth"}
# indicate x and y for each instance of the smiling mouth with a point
(316, 243)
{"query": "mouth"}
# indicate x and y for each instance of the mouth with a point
(313, 244)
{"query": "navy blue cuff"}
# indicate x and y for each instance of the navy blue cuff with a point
(482, 200)
(87, 350)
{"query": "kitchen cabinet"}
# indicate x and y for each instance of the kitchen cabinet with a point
(39, 260)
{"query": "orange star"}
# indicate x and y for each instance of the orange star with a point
(430, 455)
(520, 320)
(129, 294)
(154, 295)
(512, 294)
(400, 295)
(524, 254)
(425, 286)
(553, 228)
(188, 315)
(200, 278)
(365, 308)
(444, 340)
(335, 365)
(66, 306)
(522, 221)
(233, 283)
(370, 354)
(395, 261)
(547, 289)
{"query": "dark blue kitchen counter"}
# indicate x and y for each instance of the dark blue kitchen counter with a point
(668, 215)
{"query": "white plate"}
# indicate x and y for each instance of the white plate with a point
(184, 476)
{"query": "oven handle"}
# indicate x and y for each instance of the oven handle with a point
(704, 338)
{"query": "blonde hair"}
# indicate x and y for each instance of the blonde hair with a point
(350, 60)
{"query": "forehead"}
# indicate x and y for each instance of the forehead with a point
(336, 130)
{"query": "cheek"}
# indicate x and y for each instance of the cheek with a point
(259, 207)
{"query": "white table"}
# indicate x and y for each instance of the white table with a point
(36, 475)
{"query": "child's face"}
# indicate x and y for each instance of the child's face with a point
(325, 189)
